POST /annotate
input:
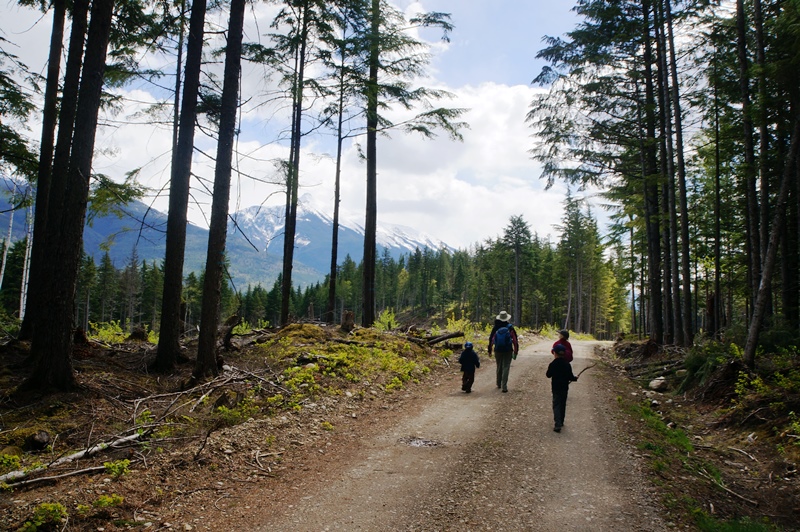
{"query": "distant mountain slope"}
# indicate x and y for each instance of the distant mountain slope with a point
(254, 247)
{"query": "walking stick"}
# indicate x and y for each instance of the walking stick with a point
(584, 369)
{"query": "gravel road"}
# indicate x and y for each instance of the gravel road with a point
(484, 461)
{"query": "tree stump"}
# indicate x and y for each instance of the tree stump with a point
(37, 441)
(348, 320)
(138, 334)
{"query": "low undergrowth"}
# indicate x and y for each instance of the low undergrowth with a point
(133, 420)
(723, 443)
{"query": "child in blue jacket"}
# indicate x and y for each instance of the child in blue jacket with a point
(469, 361)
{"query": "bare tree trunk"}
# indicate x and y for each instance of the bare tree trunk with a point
(753, 240)
(330, 311)
(759, 308)
(7, 243)
(688, 330)
(26, 262)
(655, 315)
(717, 217)
(517, 286)
(52, 342)
(633, 284)
(180, 175)
(206, 363)
(293, 172)
(66, 119)
(672, 295)
(371, 221)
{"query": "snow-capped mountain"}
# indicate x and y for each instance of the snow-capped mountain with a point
(254, 246)
(263, 226)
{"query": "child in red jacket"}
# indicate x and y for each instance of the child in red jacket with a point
(563, 339)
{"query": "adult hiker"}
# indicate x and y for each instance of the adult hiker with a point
(503, 341)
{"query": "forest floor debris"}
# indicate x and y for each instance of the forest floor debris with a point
(287, 396)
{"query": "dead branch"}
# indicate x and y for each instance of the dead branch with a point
(714, 481)
(262, 379)
(258, 463)
(584, 369)
(351, 342)
(9, 478)
(665, 363)
(216, 426)
(441, 338)
(750, 456)
(751, 414)
(56, 477)
(223, 497)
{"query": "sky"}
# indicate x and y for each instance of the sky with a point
(461, 193)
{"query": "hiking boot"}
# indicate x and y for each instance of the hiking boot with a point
(557, 428)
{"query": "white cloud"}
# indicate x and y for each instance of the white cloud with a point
(459, 192)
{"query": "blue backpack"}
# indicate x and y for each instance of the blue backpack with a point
(502, 339)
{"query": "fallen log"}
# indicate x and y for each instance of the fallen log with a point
(443, 337)
(94, 449)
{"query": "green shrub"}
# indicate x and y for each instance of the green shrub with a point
(240, 413)
(46, 516)
(107, 501)
(386, 321)
(117, 468)
(246, 328)
(107, 332)
(703, 359)
(675, 437)
(708, 523)
(9, 462)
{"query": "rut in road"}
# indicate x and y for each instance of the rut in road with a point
(488, 461)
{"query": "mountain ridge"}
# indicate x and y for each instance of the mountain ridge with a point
(254, 244)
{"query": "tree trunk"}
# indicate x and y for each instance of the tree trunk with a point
(52, 345)
(26, 263)
(370, 224)
(60, 159)
(517, 284)
(330, 310)
(218, 228)
(760, 305)
(761, 114)
(656, 318)
(753, 240)
(7, 243)
(633, 283)
(293, 171)
(688, 330)
(670, 201)
(180, 174)
(717, 216)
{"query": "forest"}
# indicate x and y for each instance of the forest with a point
(685, 115)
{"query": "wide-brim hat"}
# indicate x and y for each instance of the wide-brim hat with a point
(504, 316)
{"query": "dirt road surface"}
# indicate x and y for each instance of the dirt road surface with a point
(481, 461)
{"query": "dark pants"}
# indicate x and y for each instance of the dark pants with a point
(467, 379)
(503, 366)
(559, 406)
